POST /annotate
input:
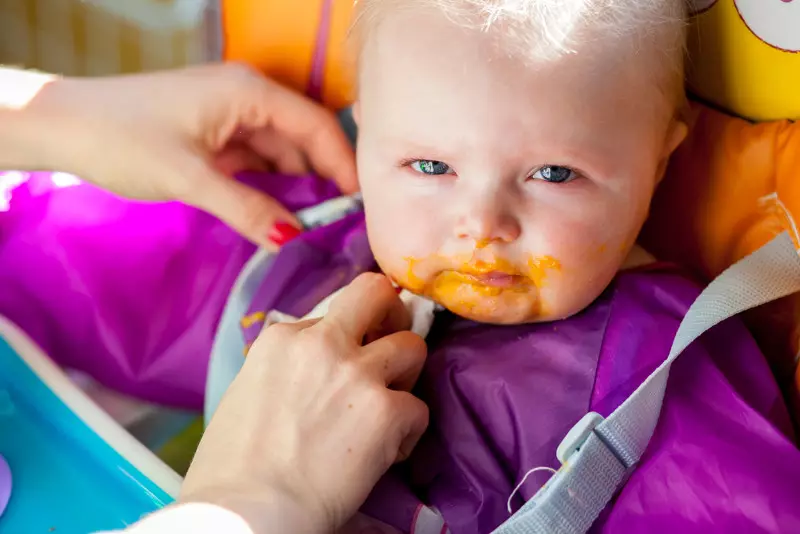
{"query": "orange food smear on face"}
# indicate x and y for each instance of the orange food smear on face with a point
(413, 282)
(538, 268)
(460, 292)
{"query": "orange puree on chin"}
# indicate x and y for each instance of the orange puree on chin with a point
(493, 291)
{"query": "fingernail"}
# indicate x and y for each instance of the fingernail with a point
(283, 232)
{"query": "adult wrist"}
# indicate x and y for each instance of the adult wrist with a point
(27, 141)
(35, 123)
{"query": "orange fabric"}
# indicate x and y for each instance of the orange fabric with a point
(730, 188)
(339, 88)
(275, 36)
(279, 38)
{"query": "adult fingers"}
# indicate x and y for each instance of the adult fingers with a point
(285, 326)
(276, 334)
(316, 132)
(369, 303)
(412, 418)
(292, 162)
(397, 359)
(252, 213)
(238, 157)
(286, 157)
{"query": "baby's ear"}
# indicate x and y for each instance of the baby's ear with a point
(678, 130)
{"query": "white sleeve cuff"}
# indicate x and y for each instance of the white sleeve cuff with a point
(190, 518)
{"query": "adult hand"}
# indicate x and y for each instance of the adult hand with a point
(314, 418)
(180, 135)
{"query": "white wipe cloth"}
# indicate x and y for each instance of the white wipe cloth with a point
(421, 309)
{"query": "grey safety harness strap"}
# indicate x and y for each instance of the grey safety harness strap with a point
(598, 454)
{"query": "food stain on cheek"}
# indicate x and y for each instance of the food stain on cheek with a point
(538, 268)
(413, 282)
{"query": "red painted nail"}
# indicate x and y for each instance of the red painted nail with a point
(282, 233)
(398, 290)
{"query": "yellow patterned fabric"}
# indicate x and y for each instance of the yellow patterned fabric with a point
(744, 57)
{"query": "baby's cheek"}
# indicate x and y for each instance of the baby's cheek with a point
(593, 242)
(396, 262)
(396, 247)
(404, 276)
(590, 258)
(586, 277)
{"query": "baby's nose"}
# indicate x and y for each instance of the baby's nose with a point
(486, 224)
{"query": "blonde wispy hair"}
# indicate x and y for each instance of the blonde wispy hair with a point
(548, 29)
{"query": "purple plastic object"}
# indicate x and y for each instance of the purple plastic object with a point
(129, 292)
(5, 484)
(502, 398)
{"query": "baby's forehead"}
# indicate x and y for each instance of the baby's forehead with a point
(438, 35)
(541, 28)
(442, 55)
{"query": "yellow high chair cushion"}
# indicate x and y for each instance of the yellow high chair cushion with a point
(745, 57)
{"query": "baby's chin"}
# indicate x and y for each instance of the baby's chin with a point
(499, 317)
(492, 306)
(497, 312)
(511, 311)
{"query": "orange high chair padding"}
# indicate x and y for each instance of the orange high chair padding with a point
(734, 184)
(730, 188)
(301, 43)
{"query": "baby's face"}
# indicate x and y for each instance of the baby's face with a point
(507, 192)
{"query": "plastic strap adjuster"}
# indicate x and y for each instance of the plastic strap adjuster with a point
(577, 436)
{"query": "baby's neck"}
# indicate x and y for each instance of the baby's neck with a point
(638, 257)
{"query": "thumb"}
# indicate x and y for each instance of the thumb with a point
(252, 213)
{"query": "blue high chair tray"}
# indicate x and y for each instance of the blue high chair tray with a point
(73, 469)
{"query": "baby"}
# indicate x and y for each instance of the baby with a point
(508, 151)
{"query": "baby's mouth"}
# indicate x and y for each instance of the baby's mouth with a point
(488, 276)
(495, 279)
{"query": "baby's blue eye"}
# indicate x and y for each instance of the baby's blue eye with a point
(427, 166)
(554, 174)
